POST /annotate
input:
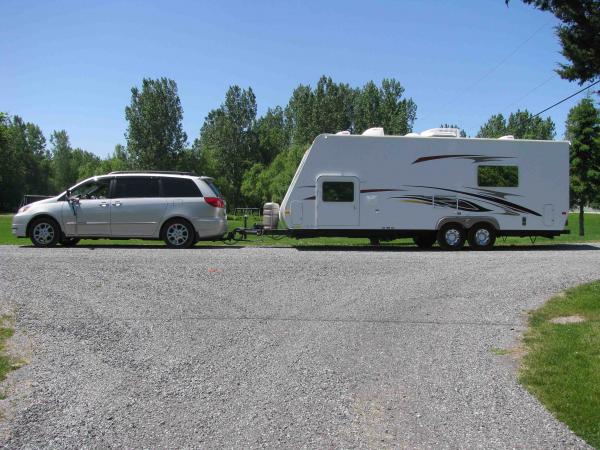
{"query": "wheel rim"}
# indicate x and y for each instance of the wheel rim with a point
(452, 237)
(177, 234)
(482, 237)
(43, 233)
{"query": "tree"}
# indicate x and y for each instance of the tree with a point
(522, 125)
(228, 138)
(155, 136)
(579, 36)
(10, 170)
(583, 130)
(64, 172)
(29, 147)
(273, 134)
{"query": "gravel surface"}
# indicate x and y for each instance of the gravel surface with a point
(267, 347)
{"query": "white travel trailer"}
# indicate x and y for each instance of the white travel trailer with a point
(429, 186)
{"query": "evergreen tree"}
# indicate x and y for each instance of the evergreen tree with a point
(583, 130)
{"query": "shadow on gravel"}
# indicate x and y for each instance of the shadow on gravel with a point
(392, 248)
(339, 248)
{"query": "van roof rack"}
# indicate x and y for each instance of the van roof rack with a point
(166, 172)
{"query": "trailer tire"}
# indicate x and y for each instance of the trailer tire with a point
(425, 241)
(451, 236)
(482, 236)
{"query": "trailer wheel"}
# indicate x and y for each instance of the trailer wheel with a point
(482, 236)
(451, 236)
(425, 241)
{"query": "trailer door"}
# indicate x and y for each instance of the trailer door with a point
(337, 201)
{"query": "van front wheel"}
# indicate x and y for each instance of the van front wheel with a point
(179, 233)
(45, 232)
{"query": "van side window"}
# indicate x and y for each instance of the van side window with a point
(95, 189)
(179, 187)
(338, 191)
(136, 187)
(498, 176)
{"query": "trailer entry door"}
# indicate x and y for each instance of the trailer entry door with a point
(337, 201)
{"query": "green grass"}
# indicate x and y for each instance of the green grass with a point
(6, 363)
(592, 226)
(561, 366)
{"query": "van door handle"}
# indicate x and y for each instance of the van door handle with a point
(117, 203)
(103, 205)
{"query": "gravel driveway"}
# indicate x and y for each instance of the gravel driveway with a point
(253, 347)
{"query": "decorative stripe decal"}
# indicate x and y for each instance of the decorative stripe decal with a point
(500, 201)
(475, 158)
(444, 202)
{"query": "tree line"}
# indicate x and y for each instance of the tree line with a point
(252, 158)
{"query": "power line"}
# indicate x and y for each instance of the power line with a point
(530, 92)
(566, 98)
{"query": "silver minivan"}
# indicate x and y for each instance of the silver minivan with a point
(178, 207)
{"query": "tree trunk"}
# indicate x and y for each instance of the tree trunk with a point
(581, 230)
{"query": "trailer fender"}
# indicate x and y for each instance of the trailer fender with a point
(468, 222)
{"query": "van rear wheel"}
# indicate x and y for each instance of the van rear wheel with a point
(179, 233)
(482, 236)
(451, 236)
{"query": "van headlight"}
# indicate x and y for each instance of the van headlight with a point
(22, 209)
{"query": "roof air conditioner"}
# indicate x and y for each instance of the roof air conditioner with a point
(377, 131)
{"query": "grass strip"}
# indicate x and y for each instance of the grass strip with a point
(561, 366)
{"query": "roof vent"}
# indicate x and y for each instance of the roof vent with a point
(377, 131)
(507, 137)
(343, 133)
(441, 132)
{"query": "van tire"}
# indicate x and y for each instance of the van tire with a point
(44, 232)
(178, 233)
(482, 236)
(425, 241)
(451, 236)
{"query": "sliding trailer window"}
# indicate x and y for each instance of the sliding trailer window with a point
(338, 191)
(498, 176)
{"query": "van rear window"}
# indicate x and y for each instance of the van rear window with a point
(179, 187)
(498, 176)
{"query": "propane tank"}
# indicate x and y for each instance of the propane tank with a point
(270, 216)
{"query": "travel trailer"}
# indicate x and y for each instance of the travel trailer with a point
(432, 186)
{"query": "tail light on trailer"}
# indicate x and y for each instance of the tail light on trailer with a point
(215, 201)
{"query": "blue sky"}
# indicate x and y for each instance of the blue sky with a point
(71, 65)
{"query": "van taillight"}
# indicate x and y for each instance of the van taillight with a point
(215, 201)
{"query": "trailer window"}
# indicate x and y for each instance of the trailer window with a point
(338, 191)
(498, 176)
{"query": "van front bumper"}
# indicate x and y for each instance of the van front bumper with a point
(19, 227)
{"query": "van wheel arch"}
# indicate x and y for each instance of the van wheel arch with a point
(170, 220)
(41, 216)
